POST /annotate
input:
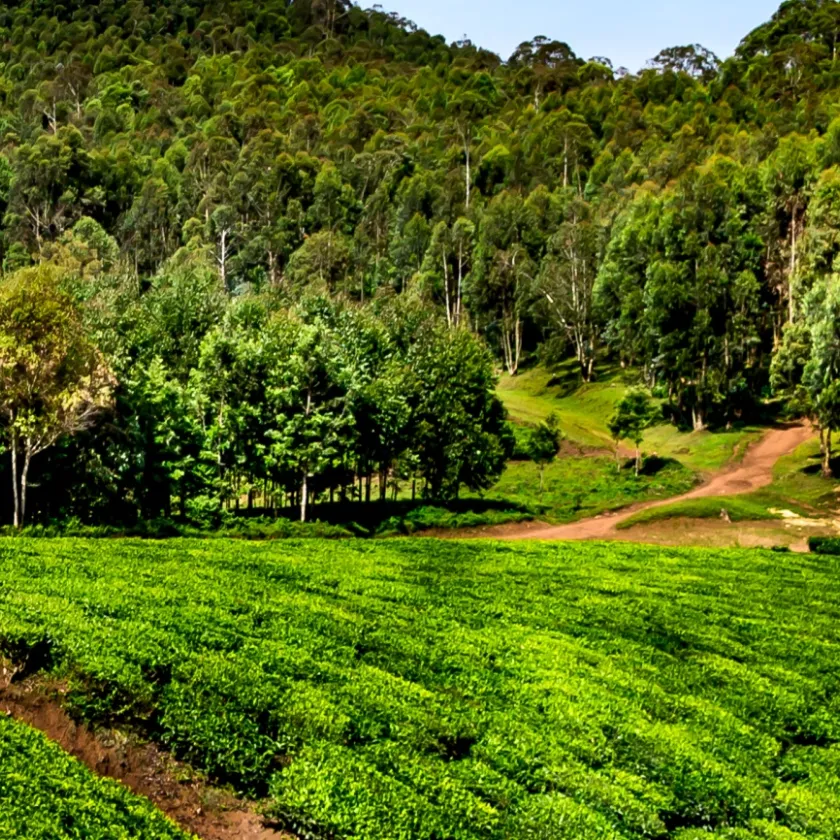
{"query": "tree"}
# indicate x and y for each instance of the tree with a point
(684, 282)
(503, 279)
(53, 381)
(633, 414)
(828, 415)
(695, 60)
(459, 429)
(566, 283)
(543, 445)
(822, 371)
(307, 402)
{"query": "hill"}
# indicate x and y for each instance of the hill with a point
(186, 174)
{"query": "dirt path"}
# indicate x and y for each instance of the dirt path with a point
(198, 808)
(752, 473)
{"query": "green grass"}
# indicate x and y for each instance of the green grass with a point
(739, 508)
(701, 452)
(577, 488)
(798, 479)
(585, 411)
(472, 691)
(46, 795)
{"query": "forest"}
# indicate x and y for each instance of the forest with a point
(260, 254)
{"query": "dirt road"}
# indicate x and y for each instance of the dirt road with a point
(752, 473)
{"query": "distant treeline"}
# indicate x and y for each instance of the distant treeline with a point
(280, 169)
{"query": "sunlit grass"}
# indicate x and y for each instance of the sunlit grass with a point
(585, 410)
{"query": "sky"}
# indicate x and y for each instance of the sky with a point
(629, 32)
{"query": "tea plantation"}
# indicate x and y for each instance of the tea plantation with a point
(460, 691)
(46, 795)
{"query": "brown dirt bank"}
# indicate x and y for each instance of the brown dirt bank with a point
(143, 768)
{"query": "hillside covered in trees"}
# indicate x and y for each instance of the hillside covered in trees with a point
(272, 243)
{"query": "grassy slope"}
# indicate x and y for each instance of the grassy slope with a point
(477, 691)
(577, 488)
(585, 410)
(47, 795)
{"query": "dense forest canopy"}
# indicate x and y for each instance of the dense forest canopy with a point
(288, 226)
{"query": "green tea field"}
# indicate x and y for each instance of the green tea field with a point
(471, 691)
(45, 795)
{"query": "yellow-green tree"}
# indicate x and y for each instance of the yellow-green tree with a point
(53, 380)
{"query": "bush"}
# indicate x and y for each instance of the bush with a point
(462, 690)
(46, 795)
(825, 545)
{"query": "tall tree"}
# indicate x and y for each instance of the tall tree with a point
(53, 381)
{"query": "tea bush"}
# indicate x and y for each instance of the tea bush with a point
(383, 690)
(46, 795)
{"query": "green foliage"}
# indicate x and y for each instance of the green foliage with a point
(53, 381)
(46, 795)
(544, 445)
(469, 690)
(633, 414)
(181, 167)
(544, 441)
(825, 545)
(430, 517)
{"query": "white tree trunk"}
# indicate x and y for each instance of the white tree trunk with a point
(304, 489)
(15, 487)
(446, 291)
(24, 483)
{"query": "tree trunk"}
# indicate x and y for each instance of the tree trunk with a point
(15, 487)
(638, 461)
(304, 495)
(446, 292)
(826, 469)
(469, 174)
(460, 284)
(24, 480)
(791, 305)
(304, 489)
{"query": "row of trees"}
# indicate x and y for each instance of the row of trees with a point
(181, 396)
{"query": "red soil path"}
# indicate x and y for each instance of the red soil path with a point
(752, 473)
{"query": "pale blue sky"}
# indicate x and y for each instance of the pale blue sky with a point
(627, 31)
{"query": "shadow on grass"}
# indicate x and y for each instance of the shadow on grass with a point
(815, 468)
(375, 517)
(653, 465)
(567, 377)
(769, 414)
